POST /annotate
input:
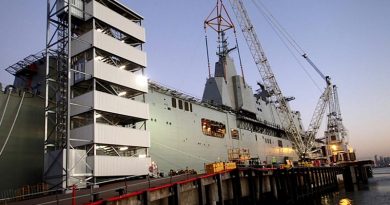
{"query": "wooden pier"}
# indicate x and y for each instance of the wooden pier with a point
(239, 186)
(233, 187)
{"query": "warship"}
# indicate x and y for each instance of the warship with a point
(105, 120)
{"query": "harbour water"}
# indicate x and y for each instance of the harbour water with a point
(377, 192)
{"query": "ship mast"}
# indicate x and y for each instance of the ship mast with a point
(220, 21)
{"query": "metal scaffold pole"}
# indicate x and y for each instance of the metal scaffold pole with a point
(57, 88)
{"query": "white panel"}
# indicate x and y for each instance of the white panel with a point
(116, 47)
(83, 133)
(108, 134)
(85, 102)
(116, 20)
(109, 103)
(82, 43)
(109, 44)
(114, 104)
(115, 75)
(120, 166)
(78, 162)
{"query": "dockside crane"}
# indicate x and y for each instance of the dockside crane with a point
(268, 77)
(319, 111)
(335, 133)
(303, 142)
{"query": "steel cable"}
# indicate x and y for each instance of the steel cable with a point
(13, 124)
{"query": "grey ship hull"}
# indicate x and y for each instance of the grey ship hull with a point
(22, 159)
(178, 141)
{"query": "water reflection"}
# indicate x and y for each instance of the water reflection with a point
(376, 192)
(345, 202)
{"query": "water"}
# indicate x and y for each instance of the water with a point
(377, 192)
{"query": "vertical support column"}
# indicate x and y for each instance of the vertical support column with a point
(320, 182)
(273, 185)
(57, 115)
(348, 182)
(281, 184)
(67, 126)
(293, 181)
(177, 197)
(334, 173)
(201, 192)
(220, 189)
(302, 182)
(364, 174)
(298, 176)
(252, 187)
(146, 198)
(236, 182)
(308, 181)
(315, 180)
(260, 181)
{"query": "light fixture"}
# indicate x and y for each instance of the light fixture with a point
(122, 93)
(98, 115)
(122, 67)
(99, 30)
(101, 146)
(142, 156)
(98, 58)
(141, 80)
(334, 147)
(123, 148)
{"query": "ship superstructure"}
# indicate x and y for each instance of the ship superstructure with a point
(230, 122)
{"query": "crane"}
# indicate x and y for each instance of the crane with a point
(335, 133)
(319, 111)
(268, 77)
(303, 142)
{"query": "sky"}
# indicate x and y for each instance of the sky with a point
(348, 40)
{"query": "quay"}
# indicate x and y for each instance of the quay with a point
(246, 185)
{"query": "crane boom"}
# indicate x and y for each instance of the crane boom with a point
(315, 121)
(267, 76)
(326, 78)
(336, 101)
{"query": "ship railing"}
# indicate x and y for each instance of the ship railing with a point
(27, 192)
(188, 97)
(122, 185)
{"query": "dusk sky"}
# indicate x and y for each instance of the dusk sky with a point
(348, 40)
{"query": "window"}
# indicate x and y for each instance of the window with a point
(186, 107)
(235, 134)
(280, 143)
(191, 107)
(121, 151)
(173, 102)
(213, 128)
(79, 68)
(180, 104)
